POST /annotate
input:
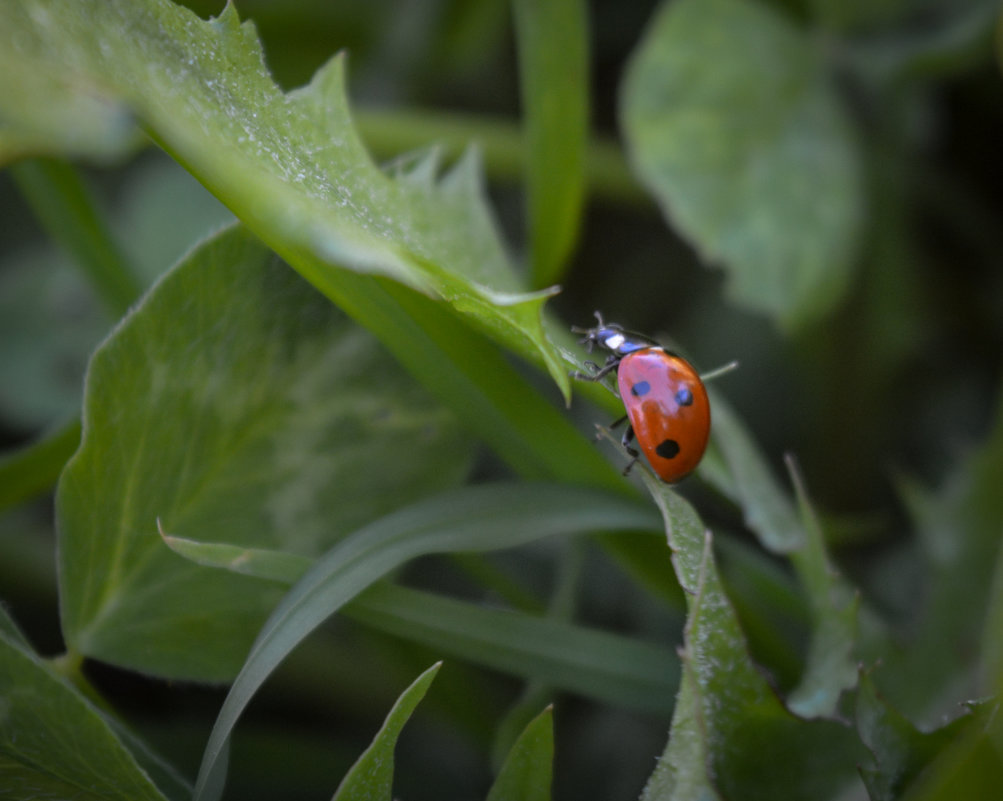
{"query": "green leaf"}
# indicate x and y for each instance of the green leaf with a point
(290, 165)
(832, 666)
(734, 126)
(553, 67)
(371, 777)
(54, 743)
(609, 667)
(527, 772)
(472, 519)
(767, 509)
(731, 736)
(899, 751)
(235, 404)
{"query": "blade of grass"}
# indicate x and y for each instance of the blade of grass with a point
(473, 519)
(552, 45)
(371, 777)
(597, 664)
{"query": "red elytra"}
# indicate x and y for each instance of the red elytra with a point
(665, 399)
(668, 408)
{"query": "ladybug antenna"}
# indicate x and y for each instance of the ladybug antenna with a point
(717, 372)
(599, 324)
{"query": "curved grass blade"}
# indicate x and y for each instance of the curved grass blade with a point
(472, 519)
(594, 663)
(371, 777)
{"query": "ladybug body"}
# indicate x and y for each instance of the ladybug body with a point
(666, 402)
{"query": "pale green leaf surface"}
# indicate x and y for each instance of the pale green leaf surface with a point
(527, 773)
(235, 404)
(551, 36)
(767, 509)
(609, 667)
(371, 777)
(733, 124)
(471, 519)
(831, 664)
(54, 743)
(291, 166)
(735, 738)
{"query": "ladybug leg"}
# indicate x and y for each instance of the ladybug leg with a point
(598, 372)
(625, 440)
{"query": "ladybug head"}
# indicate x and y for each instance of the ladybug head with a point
(612, 337)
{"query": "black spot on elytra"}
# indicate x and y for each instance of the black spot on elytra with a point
(667, 448)
(640, 388)
(684, 397)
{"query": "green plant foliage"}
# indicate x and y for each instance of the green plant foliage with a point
(831, 666)
(291, 166)
(604, 666)
(753, 160)
(235, 402)
(527, 772)
(55, 744)
(472, 519)
(553, 51)
(327, 448)
(371, 777)
(731, 736)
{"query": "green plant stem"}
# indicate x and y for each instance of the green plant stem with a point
(63, 205)
(34, 469)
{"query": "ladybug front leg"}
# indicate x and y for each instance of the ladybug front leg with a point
(598, 372)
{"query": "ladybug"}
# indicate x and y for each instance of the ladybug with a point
(665, 399)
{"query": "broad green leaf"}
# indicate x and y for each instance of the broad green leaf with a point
(731, 736)
(472, 519)
(527, 772)
(899, 751)
(291, 166)
(553, 73)
(597, 664)
(371, 777)
(234, 404)
(54, 743)
(733, 124)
